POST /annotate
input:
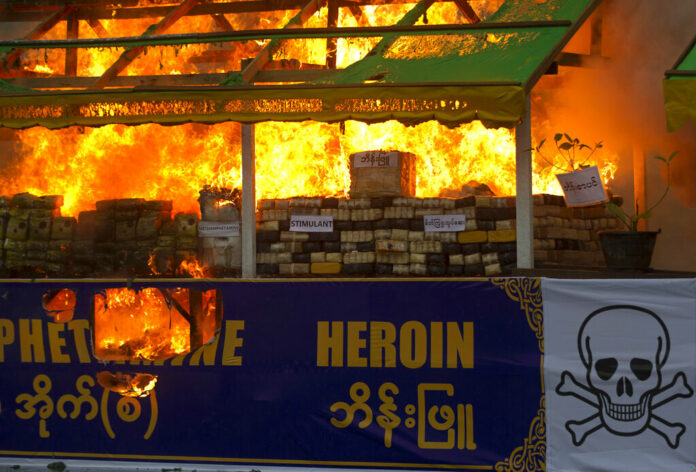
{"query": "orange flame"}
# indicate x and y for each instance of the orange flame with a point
(143, 325)
(292, 159)
(192, 267)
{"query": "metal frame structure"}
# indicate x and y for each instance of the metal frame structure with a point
(259, 70)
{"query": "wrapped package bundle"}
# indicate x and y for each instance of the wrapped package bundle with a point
(382, 174)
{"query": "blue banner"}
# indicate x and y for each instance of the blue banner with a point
(400, 374)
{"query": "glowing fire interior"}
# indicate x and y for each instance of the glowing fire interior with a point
(292, 159)
(147, 324)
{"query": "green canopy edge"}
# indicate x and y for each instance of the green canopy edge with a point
(474, 76)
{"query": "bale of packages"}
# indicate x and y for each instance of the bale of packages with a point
(382, 174)
(387, 236)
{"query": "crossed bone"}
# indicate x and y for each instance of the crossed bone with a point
(579, 430)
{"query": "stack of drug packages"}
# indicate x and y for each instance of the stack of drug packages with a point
(380, 230)
(36, 238)
(219, 231)
(119, 237)
(385, 236)
(132, 236)
(122, 237)
(569, 236)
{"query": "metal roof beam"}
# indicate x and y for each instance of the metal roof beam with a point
(36, 33)
(128, 56)
(467, 11)
(245, 35)
(98, 28)
(95, 10)
(264, 56)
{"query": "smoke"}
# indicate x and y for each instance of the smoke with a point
(620, 101)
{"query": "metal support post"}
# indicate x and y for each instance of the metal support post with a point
(525, 207)
(248, 202)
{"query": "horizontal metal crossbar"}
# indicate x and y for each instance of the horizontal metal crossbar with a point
(303, 33)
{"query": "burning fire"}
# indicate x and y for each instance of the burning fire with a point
(60, 304)
(137, 385)
(148, 324)
(292, 159)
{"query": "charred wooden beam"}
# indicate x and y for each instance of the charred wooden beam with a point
(357, 12)
(596, 31)
(196, 323)
(386, 42)
(96, 10)
(98, 28)
(38, 32)
(128, 56)
(170, 299)
(144, 81)
(222, 22)
(264, 56)
(331, 43)
(218, 309)
(300, 33)
(571, 59)
(72, 32)
(467, 11)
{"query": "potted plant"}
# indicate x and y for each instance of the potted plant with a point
(623, 249)
(631, 248)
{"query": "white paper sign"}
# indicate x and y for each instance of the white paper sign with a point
(214, 229)
(582, 187)
(442, 223)
(376, 159)
(311, 223)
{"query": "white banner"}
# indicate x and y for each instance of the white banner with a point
(582, 187)
(619, 375)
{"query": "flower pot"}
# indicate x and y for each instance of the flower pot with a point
(628, 249)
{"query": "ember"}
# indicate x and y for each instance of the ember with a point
(137, 385)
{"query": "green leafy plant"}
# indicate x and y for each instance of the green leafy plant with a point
(574, 152)
(631, 221)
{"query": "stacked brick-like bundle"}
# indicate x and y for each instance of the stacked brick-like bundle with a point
(30, 241)
(380, 236)
(121, 237)
(127, 232)
(385, 236)
(568, 236)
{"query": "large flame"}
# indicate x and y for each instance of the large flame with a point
(145, 324)
(292, 159)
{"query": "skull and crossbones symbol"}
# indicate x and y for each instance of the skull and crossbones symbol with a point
(624, 375)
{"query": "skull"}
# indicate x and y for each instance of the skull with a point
(623, 348)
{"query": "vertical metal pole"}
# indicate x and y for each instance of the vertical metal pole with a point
(248, 202)
(525, 215)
